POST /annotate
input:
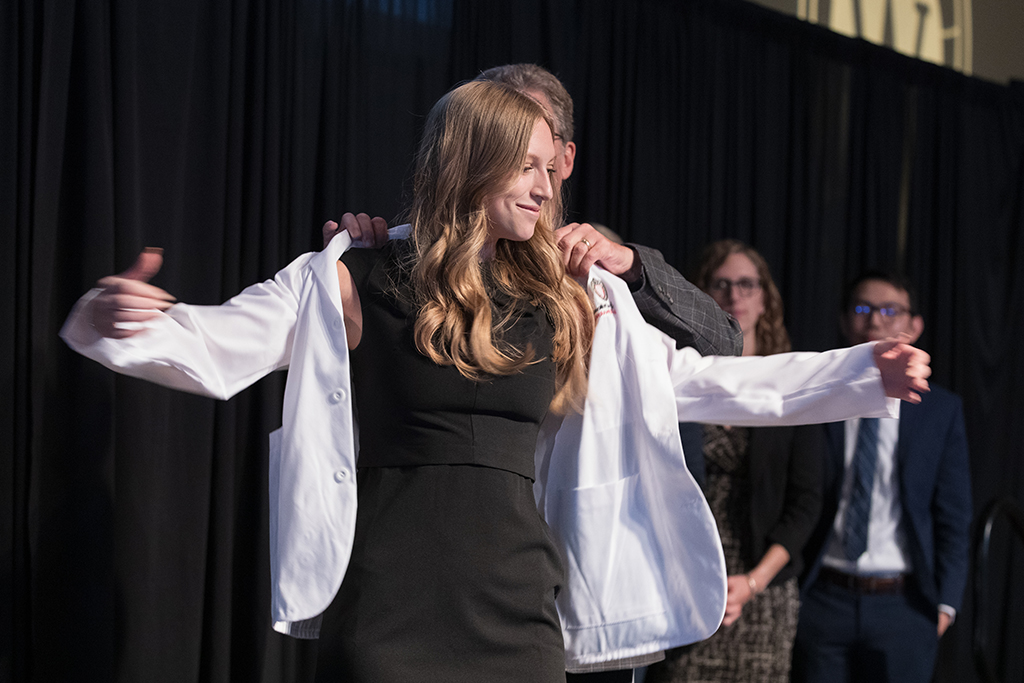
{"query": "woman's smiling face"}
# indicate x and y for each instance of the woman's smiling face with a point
(513, 213)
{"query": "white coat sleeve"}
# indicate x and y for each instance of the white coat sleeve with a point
(213, 351)
(784, 389)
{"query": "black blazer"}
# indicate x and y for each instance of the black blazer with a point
(786, 465)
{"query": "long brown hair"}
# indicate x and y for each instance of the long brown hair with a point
(474, 143)
(770, 332)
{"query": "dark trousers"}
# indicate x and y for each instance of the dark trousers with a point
(844, 636)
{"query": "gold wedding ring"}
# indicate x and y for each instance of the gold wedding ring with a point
(586, 242)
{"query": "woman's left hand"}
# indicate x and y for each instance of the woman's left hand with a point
(739, 594)
(904, 369)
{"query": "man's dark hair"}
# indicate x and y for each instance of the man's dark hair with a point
(897, 280)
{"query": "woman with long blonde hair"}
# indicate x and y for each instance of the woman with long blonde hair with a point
(470, 331)
(459, 339)
(455, 344)
(482, 221)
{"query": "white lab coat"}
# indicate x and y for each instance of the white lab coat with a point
(643, 555)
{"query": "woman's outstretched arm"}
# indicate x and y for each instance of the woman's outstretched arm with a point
(136, 329)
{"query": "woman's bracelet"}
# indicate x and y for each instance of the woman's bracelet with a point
(753, 585)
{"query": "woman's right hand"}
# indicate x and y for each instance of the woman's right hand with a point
(128, 298)
(737, 595)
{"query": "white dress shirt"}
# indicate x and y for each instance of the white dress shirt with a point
(886, 553)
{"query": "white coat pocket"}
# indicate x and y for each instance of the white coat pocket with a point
(611, 577)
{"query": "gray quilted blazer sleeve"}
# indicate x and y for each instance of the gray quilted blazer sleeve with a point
(679, 309)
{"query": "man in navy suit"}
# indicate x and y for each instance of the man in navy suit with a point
(887, 563)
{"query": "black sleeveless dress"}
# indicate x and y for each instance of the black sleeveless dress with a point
(453, 572)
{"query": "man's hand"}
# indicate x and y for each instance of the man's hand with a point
(582, 246)
(904, 369)
(368, 232)
(944, 621)
(128, 298)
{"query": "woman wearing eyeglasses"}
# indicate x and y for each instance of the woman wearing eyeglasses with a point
(763, 485)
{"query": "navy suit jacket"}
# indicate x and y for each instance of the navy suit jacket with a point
(935, 494)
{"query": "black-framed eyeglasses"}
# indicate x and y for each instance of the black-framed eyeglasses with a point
(744, 287)
(888, 311)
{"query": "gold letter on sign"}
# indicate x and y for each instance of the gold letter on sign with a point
(914, 27)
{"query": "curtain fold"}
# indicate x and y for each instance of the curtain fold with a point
(134, 520)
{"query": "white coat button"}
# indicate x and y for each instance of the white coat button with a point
(337, 396)
(340, 476)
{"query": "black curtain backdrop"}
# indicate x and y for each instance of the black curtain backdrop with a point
(134, 524)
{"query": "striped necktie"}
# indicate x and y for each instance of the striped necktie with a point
(858, 511)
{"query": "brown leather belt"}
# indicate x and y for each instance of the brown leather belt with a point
(865, 585)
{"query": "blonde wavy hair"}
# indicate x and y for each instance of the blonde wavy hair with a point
(770, 332)
(474, 145)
